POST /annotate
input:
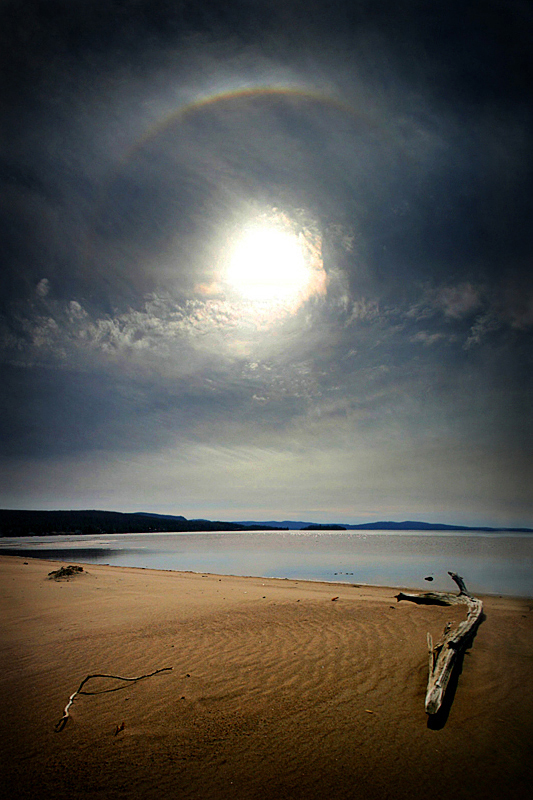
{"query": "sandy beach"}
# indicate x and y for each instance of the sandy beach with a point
(278, 689)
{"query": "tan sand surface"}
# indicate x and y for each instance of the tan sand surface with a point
(276, 690)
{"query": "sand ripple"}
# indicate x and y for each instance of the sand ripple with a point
(277, 691)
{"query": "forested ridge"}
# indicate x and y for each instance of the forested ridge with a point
(40, 523)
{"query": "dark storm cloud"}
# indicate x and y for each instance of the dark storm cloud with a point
(406, 155)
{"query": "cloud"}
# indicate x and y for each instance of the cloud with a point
(426, 338)
(453, 301)
(516, 302)
(363, 310)
(290, 480)
(522, 316)
(136, 150)
(458, 301)
(43, 287)
(471, 312)
(483, 325)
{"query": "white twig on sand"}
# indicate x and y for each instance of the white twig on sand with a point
(443, 655)
(64, 719)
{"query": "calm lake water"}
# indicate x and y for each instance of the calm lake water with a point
(491, 563)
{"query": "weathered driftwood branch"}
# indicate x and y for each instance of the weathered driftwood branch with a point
(443, 655)
(64, 719)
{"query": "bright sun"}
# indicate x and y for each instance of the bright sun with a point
(268, 264)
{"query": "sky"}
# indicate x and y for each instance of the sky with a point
(267, 259)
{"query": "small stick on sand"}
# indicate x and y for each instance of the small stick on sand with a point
(64, 719)
(443, 655)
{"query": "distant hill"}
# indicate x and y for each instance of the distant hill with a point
(316, 527)
(39, 523)
(286, 524)
(407, 525)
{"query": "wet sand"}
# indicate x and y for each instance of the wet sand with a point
(277, 690)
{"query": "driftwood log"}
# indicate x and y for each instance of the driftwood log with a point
(64, 719)
(443, 656)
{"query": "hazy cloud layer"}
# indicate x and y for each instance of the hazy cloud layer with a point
(393, 142)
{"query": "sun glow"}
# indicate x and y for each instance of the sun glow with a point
(268, 264)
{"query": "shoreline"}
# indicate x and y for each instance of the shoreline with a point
(391, 587)
(279, 688)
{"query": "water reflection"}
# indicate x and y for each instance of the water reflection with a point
(490, 563)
